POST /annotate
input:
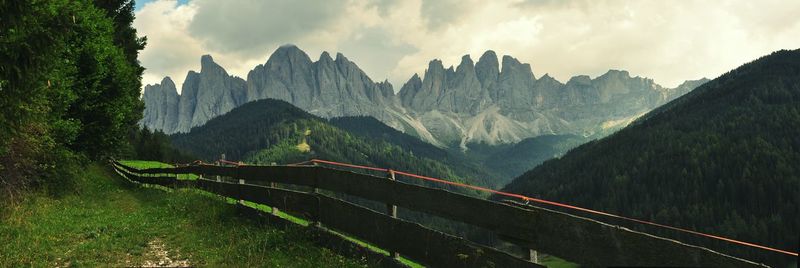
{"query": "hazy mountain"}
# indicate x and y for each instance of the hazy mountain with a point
(722, 159)
(447, 107)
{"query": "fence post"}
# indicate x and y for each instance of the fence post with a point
(532, 255)
(241, 181)
(274, 185)
(315, 191)
(216, 177)
(391, 209)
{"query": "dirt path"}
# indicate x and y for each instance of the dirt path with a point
(159, 256)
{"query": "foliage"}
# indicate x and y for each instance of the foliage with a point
(155, 146)
(69, 90)
(724, 159)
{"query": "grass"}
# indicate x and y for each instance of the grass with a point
(111, 223)
(555, 262)
(142, 164)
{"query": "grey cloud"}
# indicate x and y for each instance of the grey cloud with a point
(383, 6)
(544, 5)
(375, 52)
(440, 13)
(242, 26)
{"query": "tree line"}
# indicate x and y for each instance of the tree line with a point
(69, 88)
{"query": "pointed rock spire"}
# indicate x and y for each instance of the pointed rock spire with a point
(487, 69)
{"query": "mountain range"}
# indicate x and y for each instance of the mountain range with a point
(484, 102)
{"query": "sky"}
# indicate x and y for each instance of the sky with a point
(668, 41)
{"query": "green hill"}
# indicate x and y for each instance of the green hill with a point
(724, 159)
(273, 131)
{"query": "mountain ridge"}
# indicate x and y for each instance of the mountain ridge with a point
(474, 102)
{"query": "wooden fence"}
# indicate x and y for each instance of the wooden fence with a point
(580, 240)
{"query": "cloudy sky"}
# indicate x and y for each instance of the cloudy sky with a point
(669, 41)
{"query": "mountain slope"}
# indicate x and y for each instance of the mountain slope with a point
(514, 160)
(371, 128)
(268, 131)
(724, 159)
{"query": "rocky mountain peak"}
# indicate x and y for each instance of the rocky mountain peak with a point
(580, 80)
(208, 65)
(288, 54)
(435, 65)
(409, 90)
(487, 69)
(161, 105)
(512, 65)
(489, 57)
(618, 75)
(472, 102)
(466, 69)
(325, 57)
(167, 82)
(466, 61)
(341, 58)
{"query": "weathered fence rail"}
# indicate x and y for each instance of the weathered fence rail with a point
(584, 241)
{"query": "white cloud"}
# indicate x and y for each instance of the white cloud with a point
(170, 50)
(669, 41)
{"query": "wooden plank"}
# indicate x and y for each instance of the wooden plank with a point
(304, 176)
(581, 240)
(126, 168)
(298, 203)
(128, 174)
(157, 170)
(416, 241)
(169, 182)
(577, 239)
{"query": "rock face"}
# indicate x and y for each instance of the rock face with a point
(205, 95)
(485, 102)
(327, 87)
(162, 105)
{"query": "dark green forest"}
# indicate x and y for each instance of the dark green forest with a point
(156, 146)
(69, 89)
(724, 159)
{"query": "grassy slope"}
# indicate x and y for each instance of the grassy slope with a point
(109, 222)
(142, 164)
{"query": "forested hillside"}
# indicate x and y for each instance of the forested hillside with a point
(69, 89)
(724, 159)
(511, 160)
(272, 131)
